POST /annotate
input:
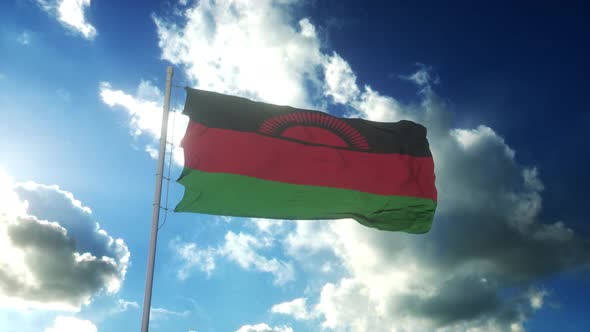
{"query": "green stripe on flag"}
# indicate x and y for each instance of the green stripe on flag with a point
(243, 196)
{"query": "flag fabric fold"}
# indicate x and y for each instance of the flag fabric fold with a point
(251, 159)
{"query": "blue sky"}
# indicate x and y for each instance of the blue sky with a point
(501, 88)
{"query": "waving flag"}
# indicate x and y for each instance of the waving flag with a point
(251, 159)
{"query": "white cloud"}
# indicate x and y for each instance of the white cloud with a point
(145, 115)
(308, 237)
(191, 256)
(340, 80)
(162, 313)
(24, 38)
(52, 253)
(371, 105)
(472, 138)
(296, 308)
(152, 151)
(536, 298)
(241, 249)
(262, 327)
(123, 305)
(244, 48)
(422, 77)
(225, 219)
(71, 324)
(340, 305)
(70, 13)
(268, 226)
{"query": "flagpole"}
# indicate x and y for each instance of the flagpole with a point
(149, 279)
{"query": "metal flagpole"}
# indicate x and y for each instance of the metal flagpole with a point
(149, 279)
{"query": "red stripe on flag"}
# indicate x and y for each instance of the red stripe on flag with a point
(227, 151)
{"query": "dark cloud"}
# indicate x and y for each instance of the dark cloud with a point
(506, 252)
(480, 265)
(66, 257)
(51, 203)
(459, 299)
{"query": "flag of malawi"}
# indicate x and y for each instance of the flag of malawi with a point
(252, 159)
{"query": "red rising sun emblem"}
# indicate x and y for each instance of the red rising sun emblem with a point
(315, 128)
